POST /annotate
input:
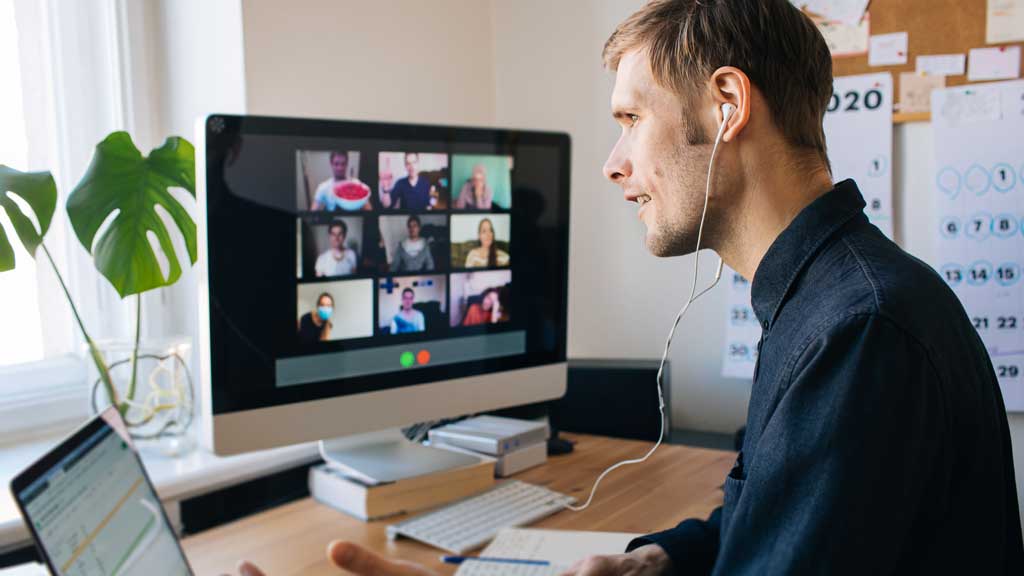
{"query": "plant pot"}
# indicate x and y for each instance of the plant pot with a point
(160, 411)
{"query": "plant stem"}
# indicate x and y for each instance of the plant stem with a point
(97, 358)
(135, 350)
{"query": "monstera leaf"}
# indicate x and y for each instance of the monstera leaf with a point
(38, 190)
(121, 180)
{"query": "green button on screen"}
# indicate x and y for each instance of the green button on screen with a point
(407, 359)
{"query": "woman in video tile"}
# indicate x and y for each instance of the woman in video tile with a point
(487, 311)
(408, 319)
(487, 254)
(413, 253)
(476, 193)
(316, 326)
(338, 260)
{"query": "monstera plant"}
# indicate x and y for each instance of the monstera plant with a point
(112, 211)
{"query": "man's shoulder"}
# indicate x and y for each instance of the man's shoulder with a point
(863, 273)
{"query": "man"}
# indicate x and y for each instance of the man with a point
(877, 440)
(411, 192)
(408, 319)
(325, 199)
(338, 260)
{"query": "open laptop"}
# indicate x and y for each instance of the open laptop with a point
(92, 509)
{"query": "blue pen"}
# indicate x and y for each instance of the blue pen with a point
(461, 559)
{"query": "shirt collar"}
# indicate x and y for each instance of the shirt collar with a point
(790, 253)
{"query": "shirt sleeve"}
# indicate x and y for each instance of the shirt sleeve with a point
(692, 545)
(841, 470)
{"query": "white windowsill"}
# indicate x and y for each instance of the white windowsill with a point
(175, 478)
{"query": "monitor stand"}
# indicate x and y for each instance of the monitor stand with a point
(388, 456)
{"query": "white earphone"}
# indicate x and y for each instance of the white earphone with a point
(727, 111)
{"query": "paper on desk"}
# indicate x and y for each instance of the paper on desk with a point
(1002, 63)
(1005, 21)
(888, 49)
(562, 547)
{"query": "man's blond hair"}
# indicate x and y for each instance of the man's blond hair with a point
(776, 45)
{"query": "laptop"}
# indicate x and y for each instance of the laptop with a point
(92, 509)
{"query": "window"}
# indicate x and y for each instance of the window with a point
(21, 337)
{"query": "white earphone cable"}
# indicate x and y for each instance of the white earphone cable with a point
(668, 343)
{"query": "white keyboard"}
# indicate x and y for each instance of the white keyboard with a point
(467, 524)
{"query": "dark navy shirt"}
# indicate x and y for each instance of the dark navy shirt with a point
(408, 197)
(877, 440)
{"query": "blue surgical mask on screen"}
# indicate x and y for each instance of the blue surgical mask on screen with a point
(325, 312)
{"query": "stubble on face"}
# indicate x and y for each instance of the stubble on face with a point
(679, 159)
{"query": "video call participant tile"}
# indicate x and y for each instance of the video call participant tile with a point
(481, 182)
(328, 180)
(334, 311)
(330, 246)
(481, 298)
(415, 243)
(411, 304)
(413, 181)
(481, 240)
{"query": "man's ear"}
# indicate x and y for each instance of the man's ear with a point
(731, 85)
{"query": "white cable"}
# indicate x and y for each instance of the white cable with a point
(668, 343)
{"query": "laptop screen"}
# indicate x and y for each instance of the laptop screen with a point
(93, 510)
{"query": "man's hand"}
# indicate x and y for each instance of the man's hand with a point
(650, 560)
(355, 559)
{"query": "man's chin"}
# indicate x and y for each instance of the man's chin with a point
(663, 246)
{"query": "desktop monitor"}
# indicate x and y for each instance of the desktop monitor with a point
(357, 276)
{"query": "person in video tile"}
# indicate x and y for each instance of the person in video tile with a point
(338, 260)
(487, 254)
(408, 319)
(411, 192)
(413, 254)
(339, 191)
(487, 311)
(316, 326)
(475, 193)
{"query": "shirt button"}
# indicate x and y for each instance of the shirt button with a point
(764, 325)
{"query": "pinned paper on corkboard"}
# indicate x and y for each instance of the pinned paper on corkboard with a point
(916, 92)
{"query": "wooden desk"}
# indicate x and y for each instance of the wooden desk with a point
(677, 482)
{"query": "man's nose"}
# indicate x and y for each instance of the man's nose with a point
(618, 166)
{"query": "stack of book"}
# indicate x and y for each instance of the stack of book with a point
(514, 444)
(331, 486)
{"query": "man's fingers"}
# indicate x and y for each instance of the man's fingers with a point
(572, 570)
(249, 569)
(358, 560)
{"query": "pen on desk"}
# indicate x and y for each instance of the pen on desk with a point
(461, 559)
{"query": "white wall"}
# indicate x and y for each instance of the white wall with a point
(401, 61)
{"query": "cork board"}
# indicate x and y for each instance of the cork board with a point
(933, 27)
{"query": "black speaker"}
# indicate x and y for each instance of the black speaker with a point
(613, 398)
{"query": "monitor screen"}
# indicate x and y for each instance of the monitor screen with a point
(93, 511)
(350, 257)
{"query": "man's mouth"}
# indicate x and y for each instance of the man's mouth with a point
(643, 199)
